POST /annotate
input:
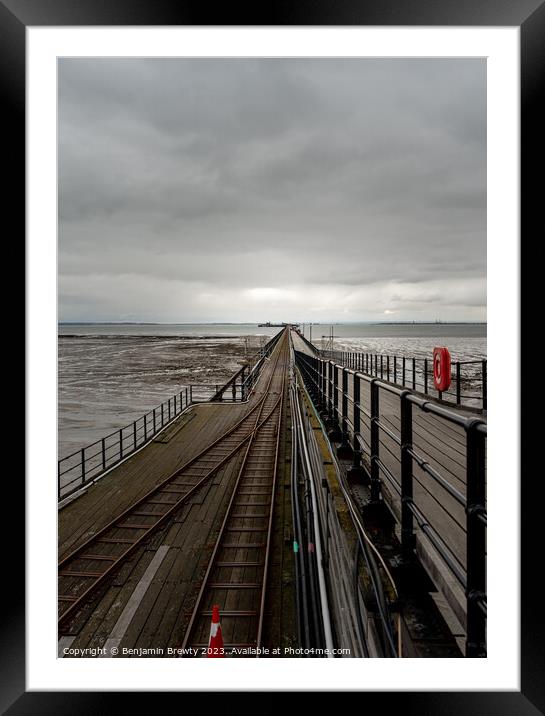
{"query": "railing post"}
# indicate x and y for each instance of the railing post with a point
(403, 371)
(388, 368)
(145, 427)
(458, 384)
(395, 369)
(162, 414)
(324, 385)
(475, 541)
(484, 383)
(83, 466)
(344, 406)
(356, 390)
(335, 395)
(414, 373)
(321, 373)
(330, 389)
(334, 418)
(134, 433)
(121, 443)
(154, 422)
(375, 442)
(381, 366)
(426, 376)
(169, 410)
(103, 453)
(407, 526)
(175, 406)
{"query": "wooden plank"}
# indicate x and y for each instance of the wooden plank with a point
(131, 480)
(65, 642)
(125, 611)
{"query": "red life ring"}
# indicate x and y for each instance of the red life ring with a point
(441, 368)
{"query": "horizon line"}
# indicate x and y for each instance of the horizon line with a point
(245, 323)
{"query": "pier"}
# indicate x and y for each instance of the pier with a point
(319, 505)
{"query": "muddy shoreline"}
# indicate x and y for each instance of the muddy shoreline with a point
(105, 382)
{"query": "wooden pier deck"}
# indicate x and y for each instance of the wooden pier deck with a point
(145, 604)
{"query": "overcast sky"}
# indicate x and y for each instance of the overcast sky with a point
(249, 190)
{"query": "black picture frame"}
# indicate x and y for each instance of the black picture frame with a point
(529, 15)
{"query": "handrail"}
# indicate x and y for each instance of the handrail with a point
(337, 392)
(416, 374)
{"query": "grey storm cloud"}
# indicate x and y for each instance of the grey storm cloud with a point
(242, 189)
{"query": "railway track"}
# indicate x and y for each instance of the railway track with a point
(236, 576)
(95, 561)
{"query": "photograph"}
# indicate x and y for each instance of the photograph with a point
(273, 291)
(272, 357)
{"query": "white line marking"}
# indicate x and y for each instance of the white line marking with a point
(127, 615)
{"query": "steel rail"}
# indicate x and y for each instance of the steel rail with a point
(271, 512)
(212, 562)
(76, 603)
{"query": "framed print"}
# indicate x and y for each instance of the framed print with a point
(267, 256)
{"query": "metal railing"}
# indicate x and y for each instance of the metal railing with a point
(81, 467)
(391, 437)
(468, 378)
(86, 464)
(241, 384)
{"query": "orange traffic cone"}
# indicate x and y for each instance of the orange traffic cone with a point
(215, 647)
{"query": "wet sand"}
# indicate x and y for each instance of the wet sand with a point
(105, 382)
